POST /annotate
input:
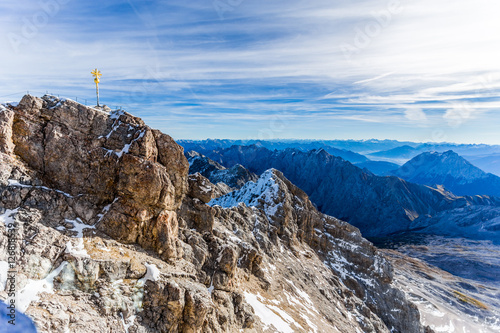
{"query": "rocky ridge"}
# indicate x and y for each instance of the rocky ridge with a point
(296, 224)
(234, 177)
(113, 235)
(379, 206)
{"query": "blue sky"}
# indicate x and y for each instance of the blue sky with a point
(417, 70)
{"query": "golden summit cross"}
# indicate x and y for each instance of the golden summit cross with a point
(97, 74)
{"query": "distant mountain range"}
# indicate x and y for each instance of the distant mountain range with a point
(358, 146)
(363, 147)
(396, 152)
(450, 170)
(365, 153)
(485, 157)
(377, 205)
(207, 146)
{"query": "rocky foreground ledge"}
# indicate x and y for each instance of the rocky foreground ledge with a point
(113, 235)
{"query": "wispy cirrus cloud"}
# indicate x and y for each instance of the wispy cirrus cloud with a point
(373, 78)
(184, 61)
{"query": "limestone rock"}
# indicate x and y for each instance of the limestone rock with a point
(6, 120)
(103, 157)
(119, 239)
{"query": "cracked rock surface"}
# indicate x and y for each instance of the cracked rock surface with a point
(113, 235)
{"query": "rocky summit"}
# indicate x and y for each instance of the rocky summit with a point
(111, 234)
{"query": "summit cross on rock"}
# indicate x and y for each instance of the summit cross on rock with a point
(97, 74)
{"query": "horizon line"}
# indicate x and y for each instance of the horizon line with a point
(353, 140)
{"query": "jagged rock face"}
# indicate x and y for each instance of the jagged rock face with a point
(234, 177)
(152, 256)
(82, 150)
(6, 118)
(377, 205)
(284, 216)
(110, 160)
(451, 170)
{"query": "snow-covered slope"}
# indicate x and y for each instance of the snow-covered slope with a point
(452, 171)
(263, 192)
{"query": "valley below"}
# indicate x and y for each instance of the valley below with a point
(453, 281)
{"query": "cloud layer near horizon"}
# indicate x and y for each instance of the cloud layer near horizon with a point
(409, 70)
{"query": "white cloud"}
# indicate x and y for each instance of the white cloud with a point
(415, 115)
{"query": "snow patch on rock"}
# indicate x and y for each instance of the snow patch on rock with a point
(31, 290)
(152, 273)
(264, 192)
(8, 216)
(268, 314)
(78, 250)
(79, 226)
(4, 267)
